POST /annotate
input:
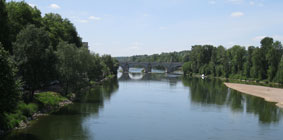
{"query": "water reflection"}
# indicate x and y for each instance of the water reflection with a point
(131, 77)
(211, 92)
(159, 106)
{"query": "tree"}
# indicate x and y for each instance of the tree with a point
(110, 63)
(35, 58)
(60, 29)
(187, 68)
(67, 65)
(273, 58)
(248, 63)
(266, 45)
(236, 54)
(21, 14)
(279, 75)
(9, 86)
(4, 28)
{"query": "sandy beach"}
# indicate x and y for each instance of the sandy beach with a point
(268, 93)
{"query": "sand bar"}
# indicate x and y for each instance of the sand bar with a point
(268, 93)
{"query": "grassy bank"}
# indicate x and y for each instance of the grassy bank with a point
(43, 103)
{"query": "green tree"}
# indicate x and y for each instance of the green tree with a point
(35, 57)
(20, 14)
(4, 28)
(68, 65)
(266, 45)
(9, 86)
(273, 57)
(60, 29)
(187, 68)
(257, 69)
(248, 63)
(279, 75)
(111, 63)
(236, 54)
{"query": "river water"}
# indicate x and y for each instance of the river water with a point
(160, 107)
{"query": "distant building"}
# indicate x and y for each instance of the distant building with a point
(85, 44)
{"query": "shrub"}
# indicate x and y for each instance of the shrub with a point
(28, 109)
(49, 98)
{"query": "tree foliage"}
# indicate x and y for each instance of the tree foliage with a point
(4, 28)
(279, 75)
(20, 14)
(9, 86)
(257, 62)
(46, 51)
(35, 57)
(77, 66)
(60, 29)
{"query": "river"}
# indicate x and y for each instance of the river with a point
(160, 107)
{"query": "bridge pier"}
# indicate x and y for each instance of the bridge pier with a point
(147, 69)
(169, 70)
(125, 68)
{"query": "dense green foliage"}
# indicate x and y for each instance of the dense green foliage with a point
(4, 28)
(60, 29)
(46, 51)
(279, 75)
(255, 63)
(182, 56)
(78, 67)
(9, 86)
(20, 14)
(35, 57)
(259, 63)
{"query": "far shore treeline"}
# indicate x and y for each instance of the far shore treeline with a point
(38, 52)
(238, 62)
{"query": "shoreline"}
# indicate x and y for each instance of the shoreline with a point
(269, 94)
(41, 113)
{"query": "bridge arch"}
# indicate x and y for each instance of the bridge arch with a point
(169, 66)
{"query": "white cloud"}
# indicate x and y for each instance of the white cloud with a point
(94, 18)
(237, 14)
(31, 5)
(212, 2)
(54, 6)
(235, 1)
(258, 3)
(252, 3)
(83, 21)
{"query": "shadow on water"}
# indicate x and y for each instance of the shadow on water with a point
(212, 92)
(22, 137)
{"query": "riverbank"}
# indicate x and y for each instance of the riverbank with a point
(268, 93)
(43, 104)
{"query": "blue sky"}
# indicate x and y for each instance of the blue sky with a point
(130, 27)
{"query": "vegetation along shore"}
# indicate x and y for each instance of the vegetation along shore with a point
(44, 64)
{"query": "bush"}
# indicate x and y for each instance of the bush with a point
(49, 98)
(13, 119)
(28, 109)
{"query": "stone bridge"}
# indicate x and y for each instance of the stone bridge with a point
(169, 66)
